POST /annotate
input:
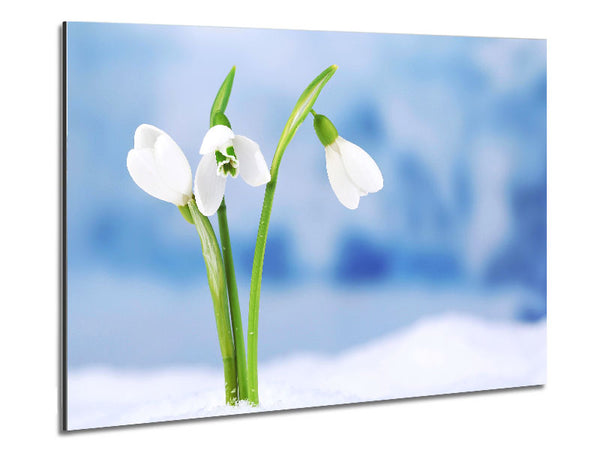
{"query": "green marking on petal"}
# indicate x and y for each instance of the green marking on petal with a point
(227, 164)
(231, 152)
(220, 157)
(228, 169)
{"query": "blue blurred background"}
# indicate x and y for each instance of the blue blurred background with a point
(457, 126)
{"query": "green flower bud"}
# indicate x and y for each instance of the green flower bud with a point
(325, 130)
(220, 118)
(185, 212)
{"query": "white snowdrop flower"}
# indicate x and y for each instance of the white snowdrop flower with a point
(226, 154)
(351, 171)
(159, 167)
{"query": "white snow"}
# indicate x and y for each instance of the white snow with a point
(446, 354)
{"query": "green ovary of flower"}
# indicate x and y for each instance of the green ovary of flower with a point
(227, 163)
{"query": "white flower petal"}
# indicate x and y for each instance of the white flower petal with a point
(172, 165)
(217, 137)
(346, 192)
(146, 135)
(360, 166)
(142, 168)
(209, 187)
(253, 167)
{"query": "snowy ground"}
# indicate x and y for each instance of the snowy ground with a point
(450, 353)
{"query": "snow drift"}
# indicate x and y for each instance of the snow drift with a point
(447, 354)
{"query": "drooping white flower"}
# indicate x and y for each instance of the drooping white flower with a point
(226, 154)
(159, 167)
(351, 171)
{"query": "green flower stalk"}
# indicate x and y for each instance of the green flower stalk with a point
(299, 113)
(228, 155)
(215, 272)
(234, 305)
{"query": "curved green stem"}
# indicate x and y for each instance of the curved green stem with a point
(299, 113)
(255, 284)
(234, 304)
(215, 272)
(218, 117)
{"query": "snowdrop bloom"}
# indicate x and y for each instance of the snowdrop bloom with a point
(159, 167)
(351, 171)
(226, 154)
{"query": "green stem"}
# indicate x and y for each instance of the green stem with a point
(234, 304)
(215, 272)
(255, 284)
(299, 113)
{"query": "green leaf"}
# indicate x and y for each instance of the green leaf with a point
(215, 271)
(185, 212)
(300, 111)
(222, 97)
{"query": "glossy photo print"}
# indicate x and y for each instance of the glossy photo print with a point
(261, 220)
